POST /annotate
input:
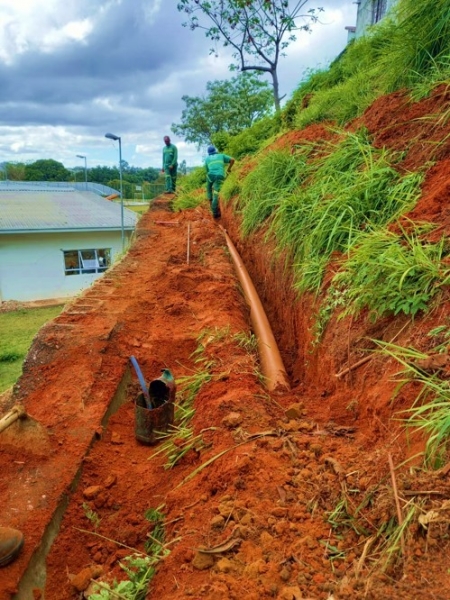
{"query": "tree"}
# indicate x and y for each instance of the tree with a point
(12, 171)
(183, 167)
(46, 170)
(258, 31)
(229, 106)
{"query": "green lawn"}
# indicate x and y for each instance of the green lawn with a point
(139, 209)
(17, 330)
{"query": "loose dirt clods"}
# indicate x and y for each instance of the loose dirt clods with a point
(256, 495)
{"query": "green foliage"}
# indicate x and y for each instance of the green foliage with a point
(186, 201)
(393, 273)
(156, 541)
(191, 190)
(276, 175)
(257, 33)
(221, 140)
(228, 107)
(139, 568)
(342, 102)
(91, 515)
(419, 42)
(248, 341)
(195, 180)
(254, 138)
(46, 170)
(231, 186)
(323, 198)
(411, 50)
(438, 75)
(347, 193)
(335, 298)
(18, 330)
(12, 171)
(430, 412)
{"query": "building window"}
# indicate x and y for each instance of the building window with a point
(80, 262)
(378, 10)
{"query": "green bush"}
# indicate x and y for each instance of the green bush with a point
(277, 174)
(254, 138)
(322, 198)
(196, 179)
(191, 190)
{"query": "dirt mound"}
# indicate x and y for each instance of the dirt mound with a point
(272, 495)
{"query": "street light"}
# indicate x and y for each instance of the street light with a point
(111, 136)
(85, 169)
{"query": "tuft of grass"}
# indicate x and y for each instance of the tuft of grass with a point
(350, 189)
(277, 174)
(247, 341)
(139, 568)
(91, 515)
(430, 412)
(393, 273)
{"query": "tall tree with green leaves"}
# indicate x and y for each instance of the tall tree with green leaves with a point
(13, 171)
(258, 31)
(46, 170)
(229, 106)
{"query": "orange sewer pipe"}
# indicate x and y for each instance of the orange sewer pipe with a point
(270, 357)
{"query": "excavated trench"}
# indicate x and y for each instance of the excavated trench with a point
(34, 576)
(276, 489)
(51, 352)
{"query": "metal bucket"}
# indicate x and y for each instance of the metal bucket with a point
(149, 423)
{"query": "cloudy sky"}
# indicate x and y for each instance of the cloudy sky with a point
(72, 70)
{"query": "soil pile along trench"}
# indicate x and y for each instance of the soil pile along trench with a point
(259, 494)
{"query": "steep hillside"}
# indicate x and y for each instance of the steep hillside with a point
(337, 488)
(319, 492)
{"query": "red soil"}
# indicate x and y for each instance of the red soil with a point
(277, 495)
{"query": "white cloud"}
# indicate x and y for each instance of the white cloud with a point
(72, 70)
(76, 31)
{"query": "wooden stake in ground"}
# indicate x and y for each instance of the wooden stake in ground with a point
(397, 500)
(188, 251)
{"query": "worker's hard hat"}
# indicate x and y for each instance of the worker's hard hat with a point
(211, 149)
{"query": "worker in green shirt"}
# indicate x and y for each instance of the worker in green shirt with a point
(215, 176)
(169, 168)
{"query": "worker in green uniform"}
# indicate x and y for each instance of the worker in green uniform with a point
(215, 176)
(169, 168)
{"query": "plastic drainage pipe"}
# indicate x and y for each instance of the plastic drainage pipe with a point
(272, 366)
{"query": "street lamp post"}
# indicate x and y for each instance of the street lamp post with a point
(111, 136)
(85, 169)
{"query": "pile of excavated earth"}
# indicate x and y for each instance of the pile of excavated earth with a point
(287, 494)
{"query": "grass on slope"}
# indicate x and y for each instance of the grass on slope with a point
(18, 329)
(410, 49)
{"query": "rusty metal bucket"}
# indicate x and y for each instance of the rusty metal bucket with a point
(149, 423)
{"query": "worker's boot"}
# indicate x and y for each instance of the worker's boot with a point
(11, 542)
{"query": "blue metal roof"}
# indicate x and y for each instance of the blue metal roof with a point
(68, 210)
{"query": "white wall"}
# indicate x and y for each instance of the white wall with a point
(32, 265)
(364, 16)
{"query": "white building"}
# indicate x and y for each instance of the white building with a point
(371, 12)
(55, 243)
